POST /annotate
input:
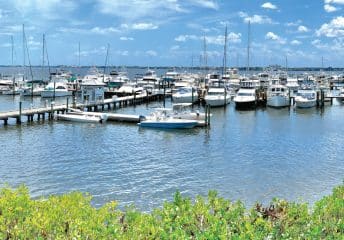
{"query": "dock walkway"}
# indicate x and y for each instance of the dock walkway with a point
(107, 104)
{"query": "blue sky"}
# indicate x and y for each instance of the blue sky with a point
(171, 32)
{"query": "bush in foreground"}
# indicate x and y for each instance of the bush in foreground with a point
(71, 216)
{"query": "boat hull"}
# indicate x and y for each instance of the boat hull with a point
(246, 105)
(79, 118)
(50, 94)
(185, 99)
(168, 125)
(217, 102)
(305, 104)
(278, 101)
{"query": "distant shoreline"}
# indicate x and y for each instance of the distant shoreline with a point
(328, 69)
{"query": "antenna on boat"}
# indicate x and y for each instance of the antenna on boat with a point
(248, 46)
(79, 55)
(225, 53)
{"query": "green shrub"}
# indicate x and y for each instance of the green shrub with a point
(71, 216)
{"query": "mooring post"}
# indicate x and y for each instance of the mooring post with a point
(20, 113)
(67, 104)
(52, 110)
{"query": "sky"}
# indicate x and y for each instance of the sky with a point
(172, 32)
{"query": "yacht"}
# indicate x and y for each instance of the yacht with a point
(56, 89)
(306, 95)
(306, 98)
(117, 79)
(277, 95)
(245, 98)
(185, 95)
(217, 97)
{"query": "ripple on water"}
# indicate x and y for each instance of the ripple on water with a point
(249, 155)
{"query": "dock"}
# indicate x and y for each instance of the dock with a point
(107, 104)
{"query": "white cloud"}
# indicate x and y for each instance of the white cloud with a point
(133, 10)
(144, 26)
(50, 9)
(234, 37)
(206, 4)
(256, 19)
(293, 24)
(302, 29)
(330, 8)
(99, 30)
(333, 29)
(216, 40)
(334, 1)
(175, 48)
(295, 42)
(275, 37)
(269, 5)
(126, 38)
(151, 53)
(184, 38)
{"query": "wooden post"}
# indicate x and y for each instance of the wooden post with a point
(67, 104)
(20, 113)
(52, 110)
(164, 95)
(5, 121)
(225, 97)
(318, 99)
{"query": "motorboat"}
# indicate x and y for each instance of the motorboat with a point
(185, 95)
(306, 98)
(159, 119)
(182, 111)
(245, 98)
(277, 96)
(84, 118)
(28, 91)
(56, 89)
(117, 79)
(217, 97)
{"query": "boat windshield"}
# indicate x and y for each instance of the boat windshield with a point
(245, 94)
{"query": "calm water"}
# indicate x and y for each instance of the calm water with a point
(251, 155)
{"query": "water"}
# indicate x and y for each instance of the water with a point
(247, 155)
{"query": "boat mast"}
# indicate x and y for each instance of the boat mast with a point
(13, 78)
(12, 45)
(286, 65)
(106, 60)
(43, 56)
(24, 55)
(205, 57)
(225, 53)
(248, 46)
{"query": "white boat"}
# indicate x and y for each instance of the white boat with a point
(26, 91)
(160, 119)
(12, 91)
(341, 94)
(117, 79)
(277, 96)
(245, 98)
(185, 95)
(182, 111)
(306, 98)
(57, 89)
(217, 97)
(82, 118)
